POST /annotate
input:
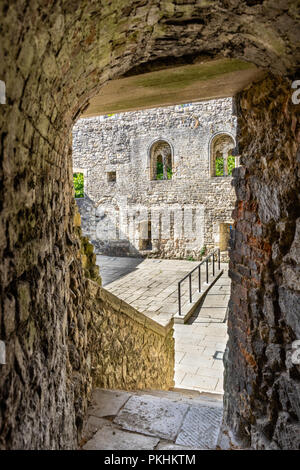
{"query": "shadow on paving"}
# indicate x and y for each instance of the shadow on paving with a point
(115, 267)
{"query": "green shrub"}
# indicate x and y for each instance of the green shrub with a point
(78, 184)
(160, 172)
(219, 166)
(203, 250)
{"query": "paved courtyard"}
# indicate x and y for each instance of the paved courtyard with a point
(200, 344)
(150, 286)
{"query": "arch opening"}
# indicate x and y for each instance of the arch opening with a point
(222, 155)
(161, 167)
(44, 296)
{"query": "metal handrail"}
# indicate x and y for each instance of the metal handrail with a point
(189, 275)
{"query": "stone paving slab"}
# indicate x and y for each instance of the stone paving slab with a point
(109, 437)
(200, 382)
(190, 397)
(177, 420)
(152, 416)
(171, 446)
(113, 267)
(200, 428)
(92, 425)
(107, 402)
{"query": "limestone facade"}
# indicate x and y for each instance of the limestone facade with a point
(128, 207)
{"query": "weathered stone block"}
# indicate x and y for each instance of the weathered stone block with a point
(23, 300)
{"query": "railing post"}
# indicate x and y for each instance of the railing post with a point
(206, 270)
(199, 278)
(190, 287)
(213, 266)
(179, 300)
(219, 261)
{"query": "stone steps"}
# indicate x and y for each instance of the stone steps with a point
(152, 420)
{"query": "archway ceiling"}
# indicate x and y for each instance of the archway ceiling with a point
(205, 79)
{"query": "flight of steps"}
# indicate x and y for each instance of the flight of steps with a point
(152, 420)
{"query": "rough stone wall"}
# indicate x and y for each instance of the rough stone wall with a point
(54, 56)
(122, 143)
(262, 382)
(128, 350)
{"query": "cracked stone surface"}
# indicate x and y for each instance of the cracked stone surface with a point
(109, 437)
(200, 427)
(152, 416)
(172, 420)
(107, 402)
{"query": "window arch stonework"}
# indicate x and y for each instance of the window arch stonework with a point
(221, 155)
(160, 161)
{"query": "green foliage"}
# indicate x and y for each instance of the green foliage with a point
(160, 172)
(169, 173)
(219, 166)
(190, 258)
(230, 164)
(78, 184)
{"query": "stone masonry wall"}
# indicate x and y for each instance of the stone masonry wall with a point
(128, 350)
(122, 143)
(262, 382)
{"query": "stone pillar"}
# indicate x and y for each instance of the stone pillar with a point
(262, 384)
(165, 164)
(225, 163)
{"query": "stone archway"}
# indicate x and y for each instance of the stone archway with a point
(54, 58)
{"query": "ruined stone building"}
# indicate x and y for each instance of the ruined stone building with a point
(150, 179)
(61, 334)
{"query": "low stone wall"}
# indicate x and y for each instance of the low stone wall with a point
(127, 350)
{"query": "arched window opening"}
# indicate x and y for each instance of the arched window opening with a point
(222, 160)
(161, 161)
